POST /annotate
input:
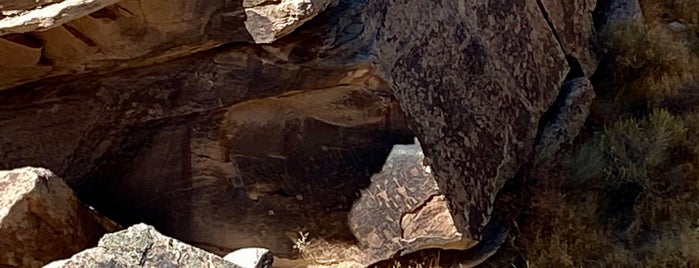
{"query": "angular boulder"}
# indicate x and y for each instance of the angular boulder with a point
(268, 20)
(474, 78)
(403, 210)
(142, 246)
(42, 220)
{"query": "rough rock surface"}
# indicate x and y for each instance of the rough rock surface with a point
(46, 16)
(403, 211)
(473, 78)
(572, 24)
(568, 116)
(268, 20)
(123, 35)
(142, 246)
(42, 220)
(171, 140)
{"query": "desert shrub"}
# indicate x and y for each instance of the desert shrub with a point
(644, 61)
(685, 11)
(631, 200)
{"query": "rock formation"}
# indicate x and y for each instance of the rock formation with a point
(41, 219)
(403, 210)
(230, 124)
(143, 246)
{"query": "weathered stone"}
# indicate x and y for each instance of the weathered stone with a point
(12, 5)
(143, 246)
(47, 16)
(124, 35)
(267, 21)
(473, 78)
(403, 211)
(42, 220)
(251, 258)
(320, 147)
(567, 117)
(80, 36)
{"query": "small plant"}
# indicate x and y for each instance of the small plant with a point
(302, 245)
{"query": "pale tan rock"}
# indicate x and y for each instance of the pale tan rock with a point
(41, 220)
(432, 219)
(24, 4)
(125, 34)
(48, 16)
(267, 21)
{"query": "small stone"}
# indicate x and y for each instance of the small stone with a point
(677, 26)
(250, 258)
(270, 212)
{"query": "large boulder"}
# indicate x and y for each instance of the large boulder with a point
(474, 78)
(41, 219)
(143, 246)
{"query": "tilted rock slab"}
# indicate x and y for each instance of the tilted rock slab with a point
(41, 219)
(142, 246)
(473, 78)
(403, 211)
